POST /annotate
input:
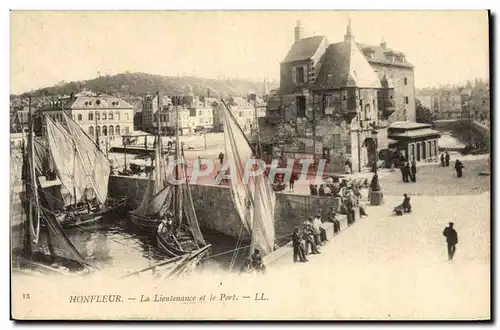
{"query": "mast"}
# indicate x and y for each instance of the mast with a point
(178, 206)
(239, 128)
(74, 170)
(27, 160)
(97, 132)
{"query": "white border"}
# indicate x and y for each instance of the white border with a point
(150, 5)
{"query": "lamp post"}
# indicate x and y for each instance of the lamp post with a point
(375, 150)
(376, 195)
(205, 133)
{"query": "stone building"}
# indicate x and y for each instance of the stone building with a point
(415, 141)
(101, 116)
(337, 100)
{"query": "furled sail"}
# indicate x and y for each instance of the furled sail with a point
(156, 194)
(263, 225)
(189, 211)
(55, 240)
(254, 199)
(96, 165)
(63, 152)
(238, 152)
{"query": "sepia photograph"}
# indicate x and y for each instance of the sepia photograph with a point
(250, 165)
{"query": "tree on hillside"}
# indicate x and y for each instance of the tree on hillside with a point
(424, 114)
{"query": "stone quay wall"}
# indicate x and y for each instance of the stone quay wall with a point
(215, 209)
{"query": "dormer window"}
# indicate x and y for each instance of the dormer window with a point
(98, 102)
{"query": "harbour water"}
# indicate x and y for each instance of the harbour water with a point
(117, 248)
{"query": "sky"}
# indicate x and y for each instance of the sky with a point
(446, 47)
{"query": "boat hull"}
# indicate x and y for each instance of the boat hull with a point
(96, 217)
(172, 251)
(145, 224)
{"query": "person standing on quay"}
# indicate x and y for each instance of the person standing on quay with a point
(451, 240)
(442, 161)
(458, 167)
(221, 158)
(299, 253)
(447, 158)
(413, 171)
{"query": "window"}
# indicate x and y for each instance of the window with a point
(367, 112)
(91, 130)
(98, 102)
(90, 103)
(406, 99)
(97, 116)
(299, 75)
(98, 130)
(110, 116)
(111, 130)
(406, 80)
(79, 117)
(103, 116)
(117, 130)
(86, 103)
(105, 130)
(126, 129)
(91, 116)
(348, 149)
(117, 114)
(126, 116)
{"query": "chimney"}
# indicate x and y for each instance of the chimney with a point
(383, 44)
(298, 32)
(348, 37)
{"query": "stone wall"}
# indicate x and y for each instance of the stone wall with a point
(400, 90)
(215, 209)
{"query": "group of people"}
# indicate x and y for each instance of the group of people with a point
(445, 159)
(254, 263)
(409, 171)
(445, 162)
(310, 238)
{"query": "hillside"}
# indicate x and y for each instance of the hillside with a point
(141, 83)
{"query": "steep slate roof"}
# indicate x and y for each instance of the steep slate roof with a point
(343, 65)
(303, 49)
(380, 57)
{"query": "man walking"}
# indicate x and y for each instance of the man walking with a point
(458, 167)
(451, 240)
(221, 158)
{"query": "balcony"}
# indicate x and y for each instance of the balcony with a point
(349, 114)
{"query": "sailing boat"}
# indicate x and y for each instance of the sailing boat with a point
(150, 212)
(254, 200)
(83, 171)
(179, 233)
(152, 209)
(62, 257)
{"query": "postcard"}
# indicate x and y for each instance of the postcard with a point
(250, 165)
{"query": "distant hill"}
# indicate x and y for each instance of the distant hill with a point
(140, 83)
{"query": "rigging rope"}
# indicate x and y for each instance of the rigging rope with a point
(238, 245)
